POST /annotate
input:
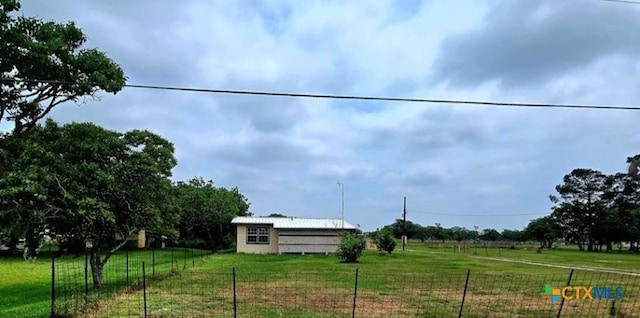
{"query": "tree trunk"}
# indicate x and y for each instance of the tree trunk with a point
(96, 268)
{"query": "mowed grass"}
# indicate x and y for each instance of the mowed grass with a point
(420, 281)
(25, 287)
(428, 280)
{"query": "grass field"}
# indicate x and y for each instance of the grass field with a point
(420, 279)
(26, 286)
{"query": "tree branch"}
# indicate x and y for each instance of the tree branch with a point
(117, 247)
(40, 91)
(60, 185)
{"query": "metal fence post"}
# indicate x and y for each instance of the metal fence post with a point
(53, 286)
(464, 294)
(144, 289)
(193, 261)
(562, 298)
(184, 259)
(235, 303)
(355, 294)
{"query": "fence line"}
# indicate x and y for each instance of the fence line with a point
(74, 293)
(198, 293)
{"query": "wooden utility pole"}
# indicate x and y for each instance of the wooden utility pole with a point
(404, 223)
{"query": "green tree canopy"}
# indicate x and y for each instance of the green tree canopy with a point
(207, 211)
(90, 186)
(544, 230)
(43, 64)
(579, 204)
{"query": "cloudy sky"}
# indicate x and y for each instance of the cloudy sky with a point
(456, 164)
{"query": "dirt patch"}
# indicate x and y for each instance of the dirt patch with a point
(334, 300)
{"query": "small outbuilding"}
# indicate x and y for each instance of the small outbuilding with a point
(271, 235)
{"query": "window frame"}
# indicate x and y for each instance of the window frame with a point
(260, 232)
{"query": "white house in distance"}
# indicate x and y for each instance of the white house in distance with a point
(271, 235)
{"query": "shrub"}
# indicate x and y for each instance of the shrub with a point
(384, 241)
(351, 247)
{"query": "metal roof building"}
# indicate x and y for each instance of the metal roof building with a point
(289, 234)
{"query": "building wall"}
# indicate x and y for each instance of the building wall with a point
(243, 247)
(301, 241)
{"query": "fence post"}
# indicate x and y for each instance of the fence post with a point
(235, 303)
(193, 261)
(355, 294)
(53, 286)
(562, 298)
(86, 277)
(144, 289)
(464, 294)
(126, 255)
(184, 258)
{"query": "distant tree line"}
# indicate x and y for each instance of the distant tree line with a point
(438, 233)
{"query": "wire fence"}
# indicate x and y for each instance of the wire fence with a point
(193, 291)
(75, 292)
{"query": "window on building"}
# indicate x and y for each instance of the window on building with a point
(257, 235)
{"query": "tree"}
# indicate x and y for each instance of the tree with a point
(44, 65)
(384, 241)
(276, 215)
(207, 211)
(91, 186)
(544, 230)
(490, 235)
(351, 247)
(580, 204)
(26, 186)
(398, 229)
(512, 235)
(620, 224)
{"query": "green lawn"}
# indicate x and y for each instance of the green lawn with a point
(26, 286)
(424, 279)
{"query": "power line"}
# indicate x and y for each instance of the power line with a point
(501, 215)
(623, 1)
(340, 97)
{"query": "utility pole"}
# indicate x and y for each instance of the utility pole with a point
(404, 223)
(342, 187)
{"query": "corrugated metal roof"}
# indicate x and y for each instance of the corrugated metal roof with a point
(294, 223)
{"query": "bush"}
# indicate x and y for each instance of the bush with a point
(351, 247)
(384, 241)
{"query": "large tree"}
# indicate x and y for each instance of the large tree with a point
(43, 64)
(622, 222)
(544, 230)
(207, 211)
(91, 186)
(580, 204)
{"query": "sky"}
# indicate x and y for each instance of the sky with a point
(457, 165)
